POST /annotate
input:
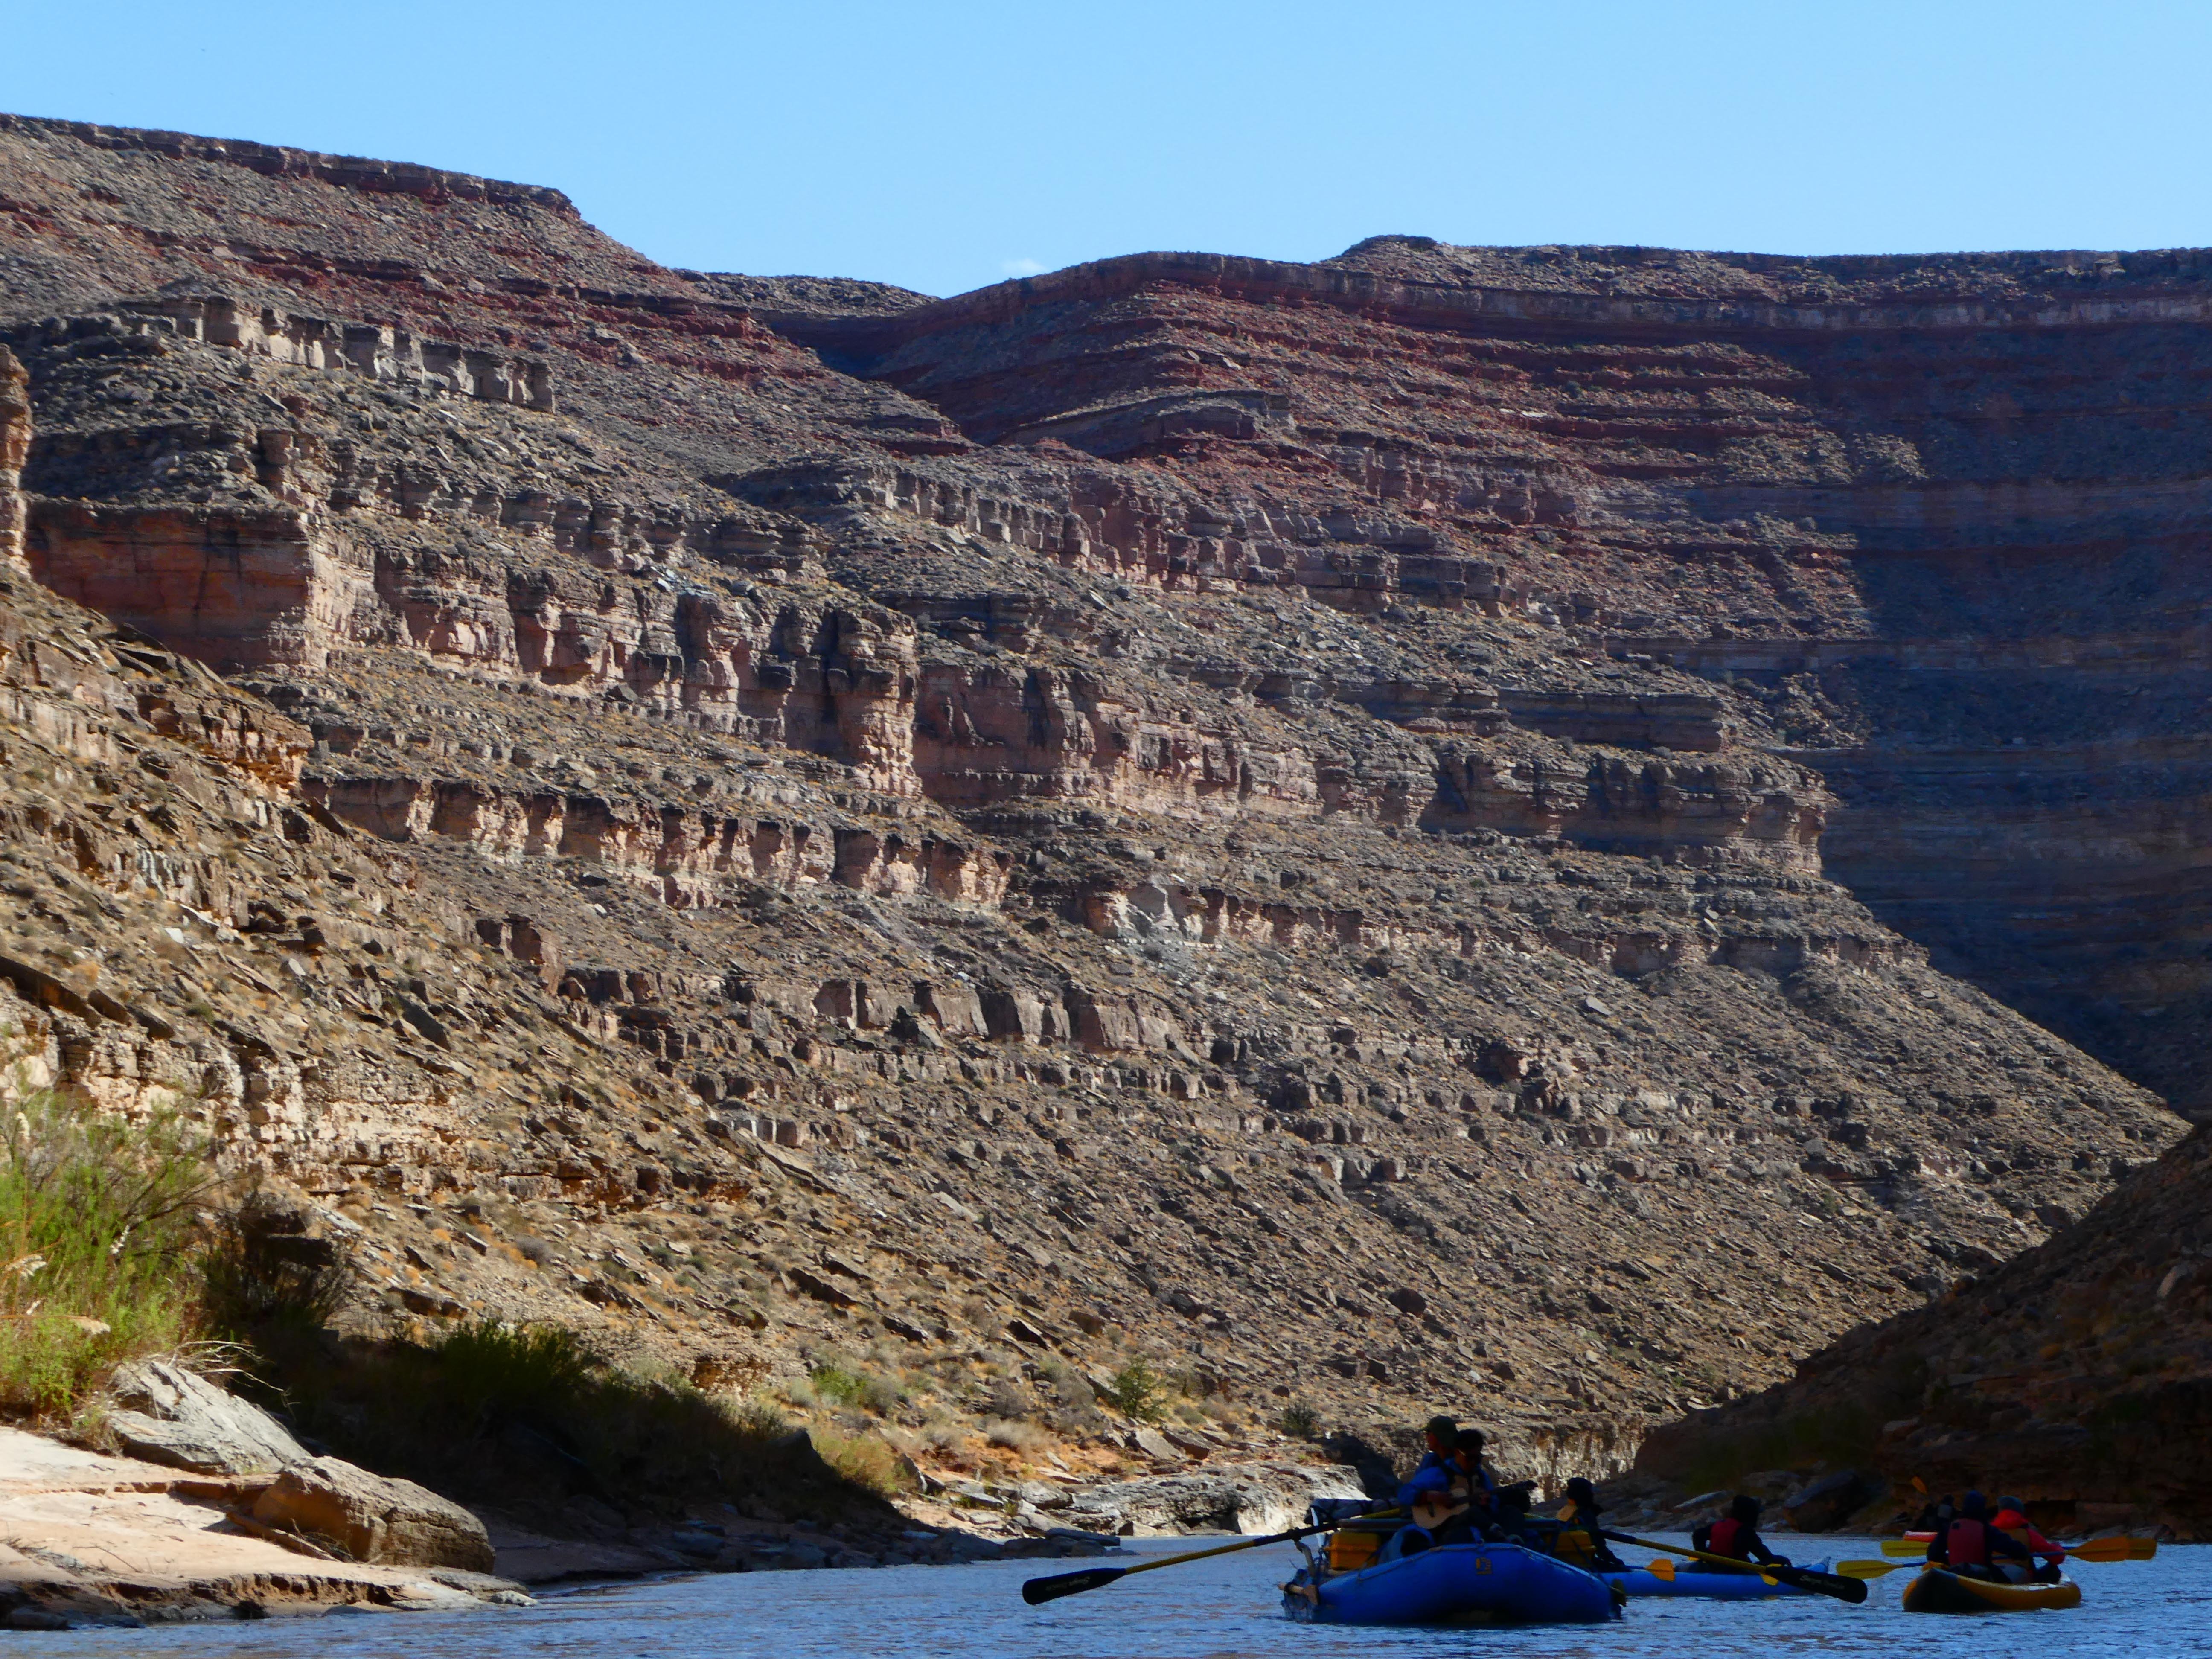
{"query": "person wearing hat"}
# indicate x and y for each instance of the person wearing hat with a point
(1973, 1548)
(1433, 1473)
(1466, 1510)
(2011, 1519)
(1736, 1535)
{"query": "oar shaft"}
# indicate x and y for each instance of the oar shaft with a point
(1805, 1578)
(1120, 1573)
(1220, 1549)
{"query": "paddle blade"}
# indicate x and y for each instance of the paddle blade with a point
(1820, 1584)
(1038, 1591)
(1661, 1569)
(1867, 1569)
(2115, 1549)
(1903, 1547)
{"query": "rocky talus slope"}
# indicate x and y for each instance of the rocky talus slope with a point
(1370, 832)
(2077, 1376)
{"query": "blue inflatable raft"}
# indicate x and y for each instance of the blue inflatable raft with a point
(1455, 1584)
(1721, 1586)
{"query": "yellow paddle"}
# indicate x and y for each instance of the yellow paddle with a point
(1662, 1569)
(2097, 1549)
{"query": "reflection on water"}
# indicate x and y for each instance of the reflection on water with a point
(1219, 1609)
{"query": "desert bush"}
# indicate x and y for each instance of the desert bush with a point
(96, 1214)
(1299, 1420)
(1007, 1398)
(834, 1385)
(865, 1460)
(1138, 1392)
(1014, 1436)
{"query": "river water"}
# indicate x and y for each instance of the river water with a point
(1226, 1608)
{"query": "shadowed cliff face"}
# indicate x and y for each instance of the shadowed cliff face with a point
(1286, 819)
(2074, 1376)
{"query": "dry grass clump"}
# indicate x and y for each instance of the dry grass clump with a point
(1014, 1435)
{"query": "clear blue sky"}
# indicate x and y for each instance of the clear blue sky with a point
(947, 145)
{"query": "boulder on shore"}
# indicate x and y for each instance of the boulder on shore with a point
(375, 1519)
(1239, 1497)
(180, 1420)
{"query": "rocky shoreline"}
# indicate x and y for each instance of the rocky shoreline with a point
(208, 1507)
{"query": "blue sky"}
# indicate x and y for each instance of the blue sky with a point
(947, 146)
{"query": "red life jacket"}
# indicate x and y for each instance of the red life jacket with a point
(1966, 1544)
(1721, 1540)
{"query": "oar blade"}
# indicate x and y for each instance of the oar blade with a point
(1822, 1584)
(1868, 1569)
(1903, 1547)
(1038, 1591)
(1660, 1568)
(2115, 1549)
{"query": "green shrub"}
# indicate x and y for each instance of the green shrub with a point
(95, 1223)
(864, 1461)
(833, 1385)
(1137, 1391)
(1299, 1420)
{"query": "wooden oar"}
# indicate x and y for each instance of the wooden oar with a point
(1038, 1591)
(2096, 1549)
(1804, 1578)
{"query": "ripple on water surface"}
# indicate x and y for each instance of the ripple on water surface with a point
(1220, 1609)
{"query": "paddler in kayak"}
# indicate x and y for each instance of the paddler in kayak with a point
(1736, 1535)
(2012, 1520)
(1579, 1541)
(1973, 1548)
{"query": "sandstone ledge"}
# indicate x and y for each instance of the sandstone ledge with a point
(122, 1542)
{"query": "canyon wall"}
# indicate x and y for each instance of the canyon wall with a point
(1340, 827)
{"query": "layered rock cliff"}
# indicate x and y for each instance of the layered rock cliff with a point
(1355, 827)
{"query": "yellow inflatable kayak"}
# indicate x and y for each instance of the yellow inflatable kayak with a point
(1938, 1591)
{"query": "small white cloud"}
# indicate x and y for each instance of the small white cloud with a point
(1022, 267)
